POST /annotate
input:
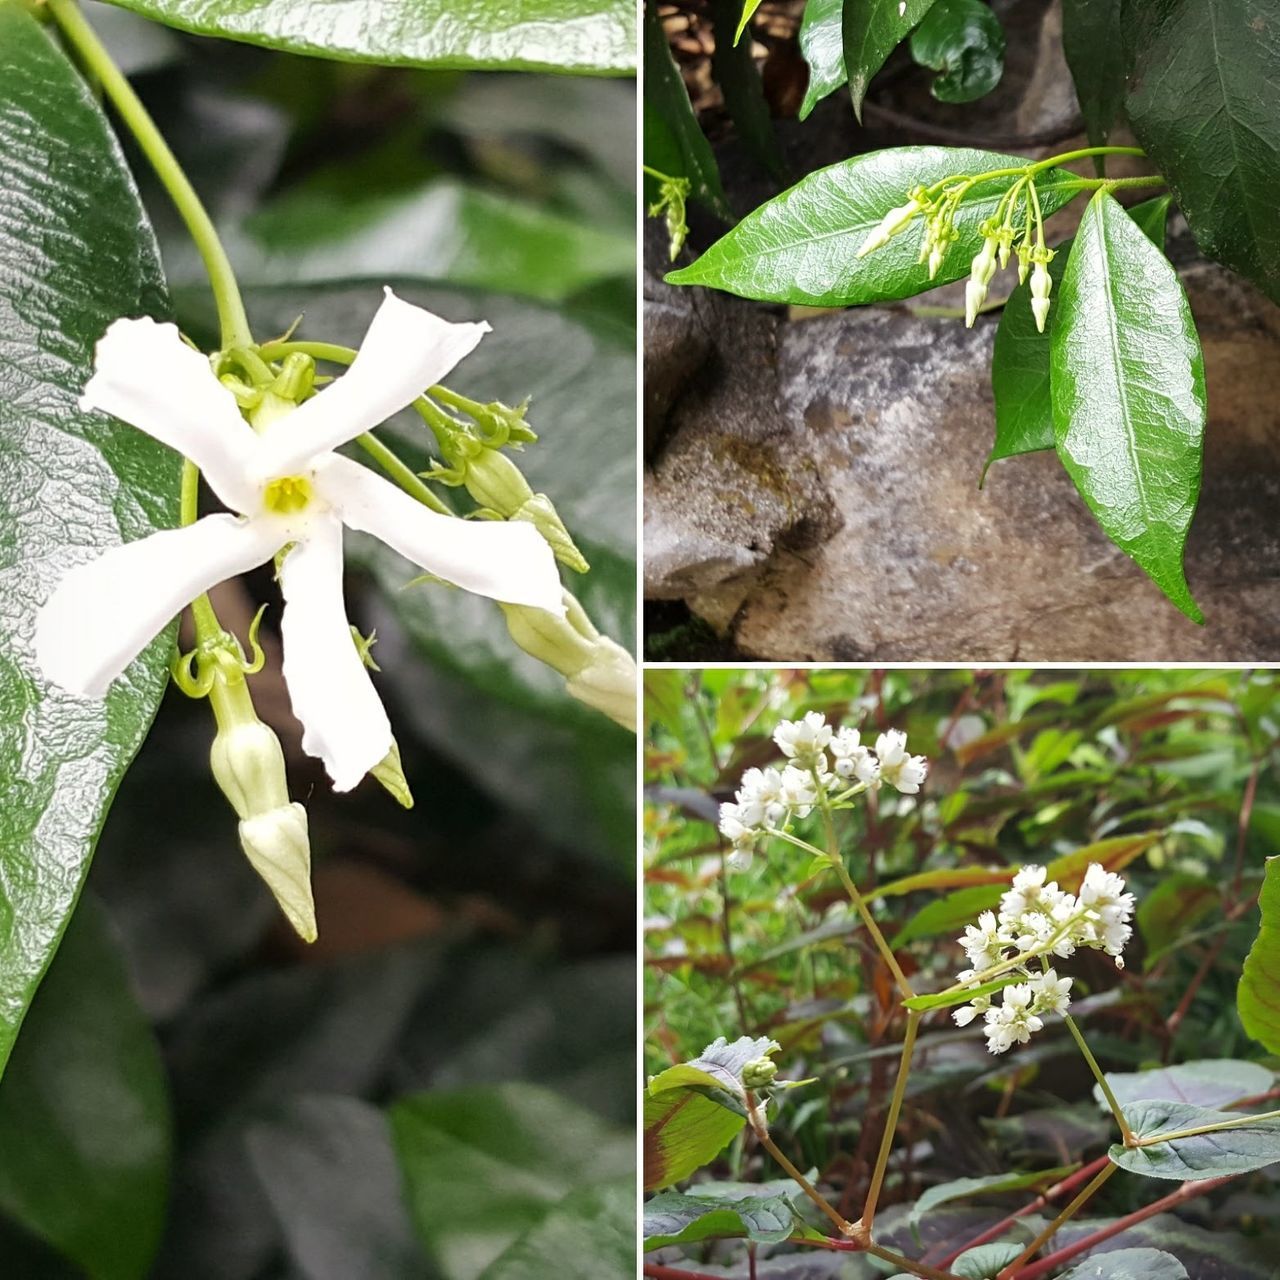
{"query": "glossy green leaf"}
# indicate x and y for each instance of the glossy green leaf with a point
(964, 42)
(583, 37)
(683, 1130)
(1128, 393)
(735, 71)
(822, 47)
(75, 254)
(992, 1184)
(1128, 1264)
(674, 1218)
(1020, 358)
(589, 1235)
(1207, 1082)
(1258, 995)
(802, 246)
(674, 143)
(748, 8)
(484, 1166)
(872, 30)
(948, 999)
(1238, 1149)
(1201, 103)
(1094, 47)
(84, 1113)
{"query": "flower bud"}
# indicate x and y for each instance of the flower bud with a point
(1041, 284)
(759, 1073)
(494, 481)
(936, 254)
(390, 773)
(248, 765)
(608, 683)
(276, 844)
(890, 225)
(540, 512)
(975, 291)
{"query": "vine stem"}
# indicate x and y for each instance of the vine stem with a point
(1051, 1230)
(232, 320)
(913, 1265)
(891, 1120)
(206, 621)
(761, 1130)
(1125, 1132)
(1188, 1191)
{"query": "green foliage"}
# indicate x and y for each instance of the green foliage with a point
(1259, 995)
(1128, 393)
(584, 37)
(1250, 1144)
(963, 41)
(1203, 72)
(1129, 1264)
(673, 1218)
(1207, 1082)
(821, 42)
(872, 29)
(735, 72)
(67, 480)
(802, 246)
(1093, 41)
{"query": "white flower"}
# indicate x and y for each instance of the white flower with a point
(293, 494)
(803, 740)
(901, 771)
(982, 942)
(798, 791)
(1052, 994)
(760, 798)
(1012, 1022)
(850, 759)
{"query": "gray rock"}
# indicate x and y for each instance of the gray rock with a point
(887, 418)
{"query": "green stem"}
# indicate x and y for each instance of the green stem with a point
(81, 36)
(1051, 1230)
(401, 473)
(1241, 1123)
(1125, 1132)
(1118, 184)
(908, 1264)
(891, 1119)
(207, 624)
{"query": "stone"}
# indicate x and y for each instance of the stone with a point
(886, 418)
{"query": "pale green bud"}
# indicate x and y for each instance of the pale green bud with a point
(248, 765)
(892, 222)
(975, 291)
(608, 683)
(390, 773)
(1041, 285)
(278, 849)
(936, 255)
(759, 1073)
(494, 481)
(540, 512)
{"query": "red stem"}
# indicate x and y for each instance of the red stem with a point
(674, 1273)
(1069, 1183)
(1188, 1191)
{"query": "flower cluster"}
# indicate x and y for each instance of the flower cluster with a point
(1037, 920)
(821, 760)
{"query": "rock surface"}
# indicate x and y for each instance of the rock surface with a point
(817, 499)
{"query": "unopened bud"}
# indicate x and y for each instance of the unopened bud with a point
(975, 291)
(608, 683)
(278, 849)
(494, 481)
(936, 254)
(390, 773)
(540, 512)
(892, 222)
(248, 765)
(1041, 285)
(758, 1073)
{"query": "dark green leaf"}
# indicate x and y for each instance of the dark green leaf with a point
(84, 1113)
(1095, 52)
(963, 41)
(947, 999)
(735, 71)
(802, 246)
(1203, 1155)
(484, 1166)
(985, 1261)
(1211, 1082)
(949, 913)
(822, 47)
(873, 29)
(1020, 359)
(674, 143)
(326, 1165)
(673, 1218)
(1258, 995)
(963, 1188)
(585, 37)
(75, 254)
(1201, 102)
(1172, 909)
(1128, 1264)
(1128, 393)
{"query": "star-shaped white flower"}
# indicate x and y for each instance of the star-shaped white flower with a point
(290, 490)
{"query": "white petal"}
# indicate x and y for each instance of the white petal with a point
(147, 376)
(104, 613)
(506, 560)
(405, 351)
(343, 720)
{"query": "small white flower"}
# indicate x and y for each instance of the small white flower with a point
(293, 494)
(982, 942)
(803, 740)
(851, 760)
(901, 771)
(798, 791)
(1052, 994)
(760, 798)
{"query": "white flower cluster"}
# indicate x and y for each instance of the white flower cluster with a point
(818, 755)
(1035, 921)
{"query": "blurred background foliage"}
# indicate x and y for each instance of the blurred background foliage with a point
(442, 1086)
(1025, 766)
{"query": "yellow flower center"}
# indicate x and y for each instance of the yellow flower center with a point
(287, 495)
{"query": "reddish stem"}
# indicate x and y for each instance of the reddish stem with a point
(653, 1270)
(1070, 1183)
(1188, 1191)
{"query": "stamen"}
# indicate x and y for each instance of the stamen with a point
(287, 495)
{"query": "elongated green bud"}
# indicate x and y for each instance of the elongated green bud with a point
(540, 512)
(1041, 286)
(975, 291)
(248, 765)
(279, 850)
(892, 222)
